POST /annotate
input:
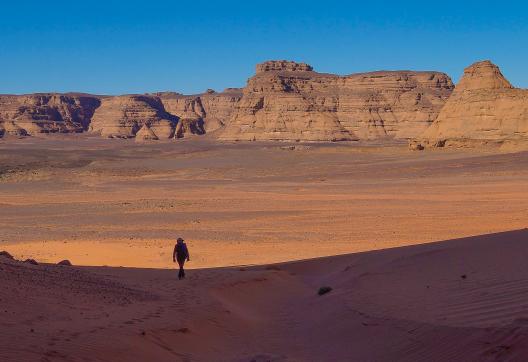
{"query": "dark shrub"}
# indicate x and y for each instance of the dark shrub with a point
(324, 290)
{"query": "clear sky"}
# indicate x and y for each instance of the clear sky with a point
(113, 47)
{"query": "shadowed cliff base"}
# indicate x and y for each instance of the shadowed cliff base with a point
(456, 300)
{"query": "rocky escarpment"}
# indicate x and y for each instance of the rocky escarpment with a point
(483, 109)
(289, 101)
(163, 115)
(46, 113)
(283, 101)
(124, 116)
(210, 108)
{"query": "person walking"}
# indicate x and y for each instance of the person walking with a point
(180, 254)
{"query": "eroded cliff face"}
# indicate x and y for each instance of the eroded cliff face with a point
(483, 109)
(289, 101)
(284, 101)
(164, 115)
(46, 113)
(124, 116)
(212, 109)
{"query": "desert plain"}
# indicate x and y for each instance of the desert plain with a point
(424, 251)
(116, 203)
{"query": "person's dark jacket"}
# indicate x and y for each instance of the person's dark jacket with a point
(181, 253)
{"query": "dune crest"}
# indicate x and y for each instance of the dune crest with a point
(456, 300)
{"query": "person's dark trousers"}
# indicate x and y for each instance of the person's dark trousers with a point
(181, 274)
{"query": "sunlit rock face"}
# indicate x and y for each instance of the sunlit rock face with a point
(289, 101)
(35, 114)
(484, 108)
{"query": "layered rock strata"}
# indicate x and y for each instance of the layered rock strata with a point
(166, 115)
(124, 116)
(212, 109)
(289, 101)
(484, 109)
(46, 113)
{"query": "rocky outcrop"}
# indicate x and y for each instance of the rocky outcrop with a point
(124, 116)
(483, 109)
(289, 101)
(284, 101)
(283, 65)
(46, 113)
(208, 111)
(146, 134)
(165, 115)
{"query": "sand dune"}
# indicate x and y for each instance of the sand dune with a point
(456, 300)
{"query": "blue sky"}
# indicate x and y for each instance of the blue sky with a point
(114, 47)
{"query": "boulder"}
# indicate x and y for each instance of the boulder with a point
(64, 263)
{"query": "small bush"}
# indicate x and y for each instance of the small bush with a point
(324, 290)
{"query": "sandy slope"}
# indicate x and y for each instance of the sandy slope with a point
(458, 300)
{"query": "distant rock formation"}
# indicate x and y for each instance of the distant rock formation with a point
(285, 100)
(483, 109)
(46, 113)
(283, 65)
(124, 116)
(166, 115)
(210, 109)
(146, 134)
(289, 101)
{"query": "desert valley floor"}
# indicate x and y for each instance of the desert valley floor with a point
(115, 207)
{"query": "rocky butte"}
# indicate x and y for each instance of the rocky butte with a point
(484, 109)
(289, 101)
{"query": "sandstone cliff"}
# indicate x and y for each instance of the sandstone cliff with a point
(289, 101)
(46, 113)
(124, 116)
(283, 101)
(211, 109)
(163, 115)
(483, 109)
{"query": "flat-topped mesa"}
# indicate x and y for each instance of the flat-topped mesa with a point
(483, 75)
(483, 110)
(287, 101)
(283, 65)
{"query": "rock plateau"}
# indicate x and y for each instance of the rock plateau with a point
(289, 101)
